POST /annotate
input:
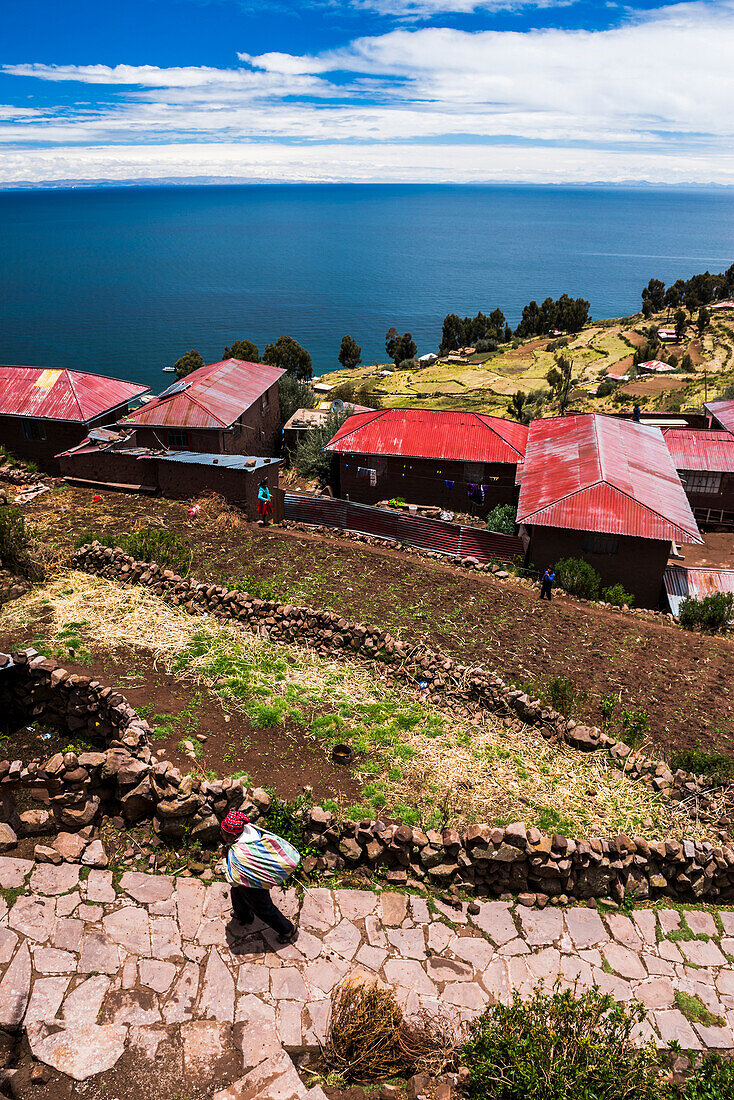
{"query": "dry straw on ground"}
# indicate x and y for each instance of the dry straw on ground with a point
(369, 1039)
(459, 771)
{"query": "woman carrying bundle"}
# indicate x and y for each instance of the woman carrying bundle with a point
(256, 861)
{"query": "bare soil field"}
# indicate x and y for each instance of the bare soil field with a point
(683, 682)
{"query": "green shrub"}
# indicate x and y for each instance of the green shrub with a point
(616, 594)
(635, 724)
(563, 694)
(150, 544)
(485, 346)
(605, 387)
(711, 1079)
(262, 590)
(718, 766)
(309, 457)
(713, 614)
(559, 1046)
(15, 542)
(502, 519)
(578, 578)
(285, 819)
(161, 546)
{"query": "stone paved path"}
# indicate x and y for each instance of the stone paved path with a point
(91, 971)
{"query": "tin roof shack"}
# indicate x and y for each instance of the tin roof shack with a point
(604, 490)
(44, 411)
(721, 415)
(683, 583)
(229, 407)
(705, 464)
(304, 420)
(179, 475)
(462, 461)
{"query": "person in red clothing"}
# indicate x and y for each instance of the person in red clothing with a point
(249, 902)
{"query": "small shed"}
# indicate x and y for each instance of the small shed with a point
(705, 464)
(230, 407)
(179, 475)
(462, 461)
(604, 490)
(655, 366)
(683, 582)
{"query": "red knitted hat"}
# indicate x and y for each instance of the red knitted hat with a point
(234, 822)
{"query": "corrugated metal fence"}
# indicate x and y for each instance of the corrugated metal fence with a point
(427, 534)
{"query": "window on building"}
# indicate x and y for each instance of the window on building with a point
(34, 429)
(600, 544)
(178, 439)
(473, 471)
(265, 401)
(698, 481)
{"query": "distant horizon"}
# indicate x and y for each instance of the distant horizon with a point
(128, 185)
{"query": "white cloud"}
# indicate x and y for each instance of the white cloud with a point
(435, 163)
(429, 9)
(655, 92)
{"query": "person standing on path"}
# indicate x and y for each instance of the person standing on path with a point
(249, 902)
(546, 584)
(264, 503)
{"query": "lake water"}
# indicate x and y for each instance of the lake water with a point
(124, 280)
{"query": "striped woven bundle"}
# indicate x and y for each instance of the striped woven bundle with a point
(262, 862)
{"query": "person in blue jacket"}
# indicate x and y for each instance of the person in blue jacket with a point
(546, 583)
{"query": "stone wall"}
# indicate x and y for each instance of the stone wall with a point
(439, 677)
(122, 779)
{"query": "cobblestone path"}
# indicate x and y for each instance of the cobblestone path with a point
(94, 972)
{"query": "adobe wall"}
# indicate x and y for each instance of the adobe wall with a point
(638, 565)
(422, 481)
(61, 434)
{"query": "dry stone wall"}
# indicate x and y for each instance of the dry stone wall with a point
(122, 779)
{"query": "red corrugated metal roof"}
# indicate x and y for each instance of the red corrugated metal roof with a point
(597, 473)
(723, 412)
(656, 365)
(51, 394)
(214, 396)
(432, 433)
(693, 449)
(682, 582)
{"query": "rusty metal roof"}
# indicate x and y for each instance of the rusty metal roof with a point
(71, 395)
(694, 449)
(448, 435)
(723, 412)
(214, 396)
(597, 473)
(682, 583)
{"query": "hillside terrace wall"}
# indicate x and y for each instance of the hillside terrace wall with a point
(123, 778)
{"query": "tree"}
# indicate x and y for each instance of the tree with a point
(498, 324)
(704, 317)
(309, 457)
(654, 293)
(244, 350)
(399, 347)
(350, 353)
(294, 394)
(559, 380)
(680, 323)
(517, 407)
(452, 334)
(288, 354)
(189, 362)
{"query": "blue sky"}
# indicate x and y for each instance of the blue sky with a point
(367, 90)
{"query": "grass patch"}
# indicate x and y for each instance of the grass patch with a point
(695, 1010)
(414, 760)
